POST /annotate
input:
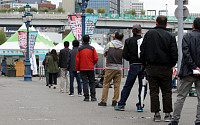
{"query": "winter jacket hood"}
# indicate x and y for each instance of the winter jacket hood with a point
(117, 43)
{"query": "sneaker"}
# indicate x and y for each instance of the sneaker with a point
(71, 94)
(176, 123)
(79, 94)
(157, 118)
(93, 99)
(102, 104)
(114, 103)
(86, 99)
(139, 109)
(196, 123)
(168, 118)
(119, 108)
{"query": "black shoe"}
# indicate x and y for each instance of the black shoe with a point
(71, 94)
(157, 117)
(168, 117)
(114, 103)
(93, 99)
(102, 104)
(139, 109)
(49, 86)
(175, 123)
(86, 99)
(54, 87)
(197, 123)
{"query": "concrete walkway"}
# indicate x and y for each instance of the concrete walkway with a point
(32, 103)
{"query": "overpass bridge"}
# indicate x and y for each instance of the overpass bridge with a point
(14, 19)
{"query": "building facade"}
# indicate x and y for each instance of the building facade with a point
(68, 6)
(133, 5)
(111, 6)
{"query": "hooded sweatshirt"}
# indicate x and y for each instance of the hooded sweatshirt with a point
(113, 54)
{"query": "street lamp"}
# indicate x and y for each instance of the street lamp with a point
(166, 10)
(27, 19)
(83, 5)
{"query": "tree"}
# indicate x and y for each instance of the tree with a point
(89, 10)
(60, 10)
(34, 9)
(3, 10)
(44, 9)
(12, 9)
(2, 37)
(21, 9)
(132, 12)
(142, 12)
(101, 10)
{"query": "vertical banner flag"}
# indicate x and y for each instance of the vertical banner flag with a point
(32, 39)
(90, 24)
(76, 25)
(22, 41)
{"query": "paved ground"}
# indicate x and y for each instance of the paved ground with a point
(32, 103)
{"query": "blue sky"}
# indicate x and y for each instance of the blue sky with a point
(161, 5)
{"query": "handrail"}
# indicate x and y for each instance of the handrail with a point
(54, 15)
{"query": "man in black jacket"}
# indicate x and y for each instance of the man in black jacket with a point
(63, 66)
(159, 52)
(190, 62)
(130, 53)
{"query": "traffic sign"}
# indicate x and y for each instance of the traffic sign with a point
(185, 13)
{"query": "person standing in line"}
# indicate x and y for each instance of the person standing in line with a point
(3, 67)
(113, 54)
(63, 66)
(52, 68)
(45, 68)
(130, 53)
(159, 52)
(72, 70)
(174, 77)
(86, 58)
(190, 62)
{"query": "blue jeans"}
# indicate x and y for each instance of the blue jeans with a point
(134, 72)
(78, 79)
(174, 82)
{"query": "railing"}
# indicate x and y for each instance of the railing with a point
(54, 15)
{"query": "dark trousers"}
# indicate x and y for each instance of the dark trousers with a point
(134, 72)
(53, 78)
(160, 77)
(73, 74)
(85, 76)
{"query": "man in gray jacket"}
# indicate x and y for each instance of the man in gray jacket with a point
(190, 63)
(113, 53)
(72, 70)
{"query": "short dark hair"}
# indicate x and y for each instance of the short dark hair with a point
(196, 23)
(66, 44)
(86, 38)
(136, 29)
(161, 20)
(75, 43)
(119, 35)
